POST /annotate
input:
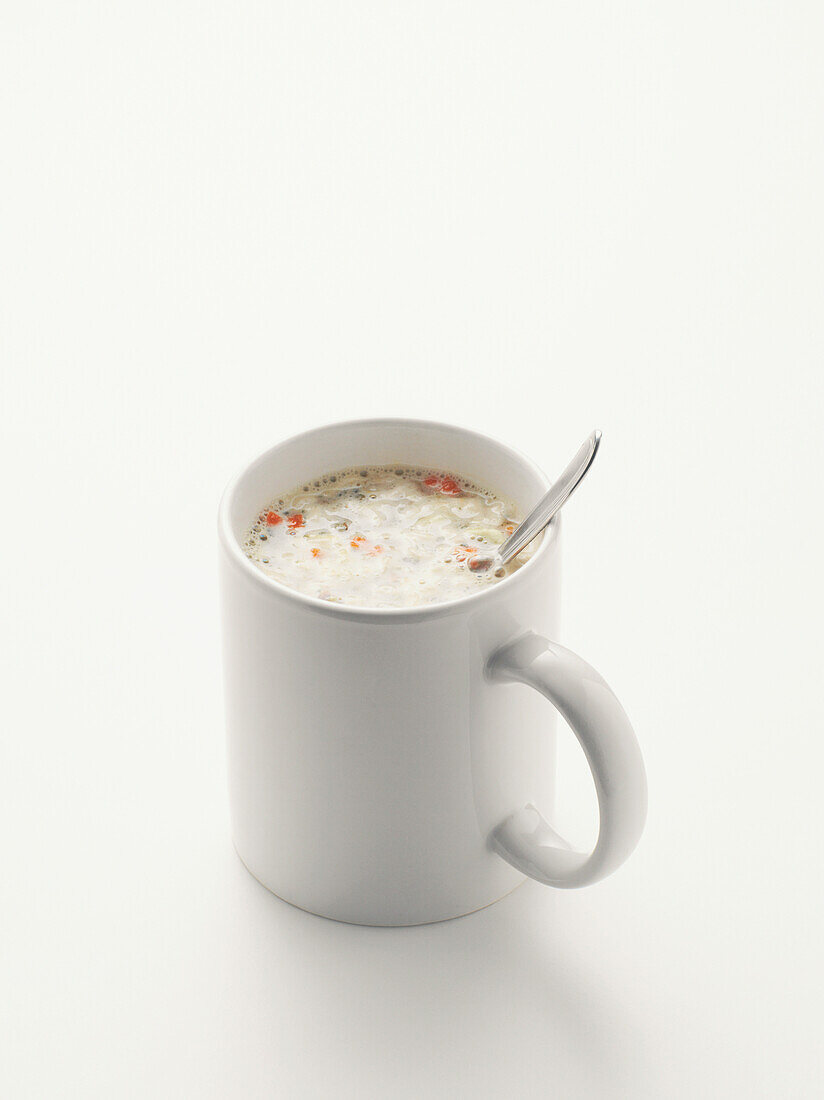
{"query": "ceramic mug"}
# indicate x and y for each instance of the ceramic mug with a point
(394, 766)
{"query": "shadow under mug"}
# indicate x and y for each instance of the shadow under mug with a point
(395, 766)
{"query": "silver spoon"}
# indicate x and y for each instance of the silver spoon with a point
(551, 502)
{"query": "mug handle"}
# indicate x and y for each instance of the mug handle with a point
(598, 720)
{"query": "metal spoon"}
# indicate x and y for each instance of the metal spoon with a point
(553, 500)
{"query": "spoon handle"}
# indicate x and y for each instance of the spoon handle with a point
(549, 504)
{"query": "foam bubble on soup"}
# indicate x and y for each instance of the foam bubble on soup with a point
(384, 536)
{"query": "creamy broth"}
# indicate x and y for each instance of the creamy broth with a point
(384, 536)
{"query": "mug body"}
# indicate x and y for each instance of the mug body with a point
(370, 756)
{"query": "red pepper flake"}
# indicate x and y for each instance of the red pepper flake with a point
(376, 550)
(273, 519)
(446, 485)
(295, 521)
(356, 541)
(315, 552)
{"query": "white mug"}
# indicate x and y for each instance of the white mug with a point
(392, 766)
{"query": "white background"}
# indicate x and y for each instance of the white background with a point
(221, 223)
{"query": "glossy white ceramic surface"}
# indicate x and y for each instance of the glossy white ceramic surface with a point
(379, 763)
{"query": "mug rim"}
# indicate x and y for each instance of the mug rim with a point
(379, 614)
